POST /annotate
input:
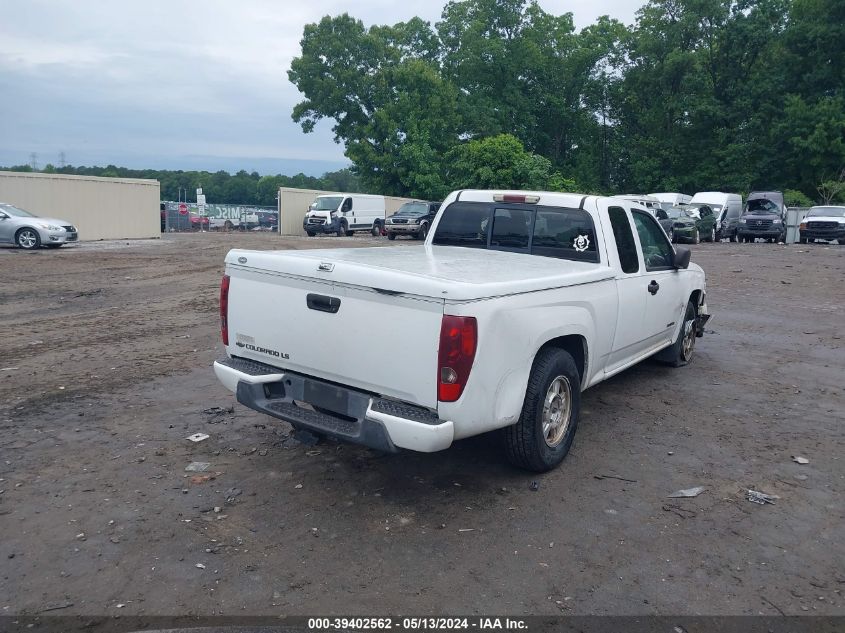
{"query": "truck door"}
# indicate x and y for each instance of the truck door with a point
(628, 341)
(661, 283)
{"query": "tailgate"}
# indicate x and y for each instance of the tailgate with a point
(377, 342)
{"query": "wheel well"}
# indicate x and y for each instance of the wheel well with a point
(575, 345)
(695, 297)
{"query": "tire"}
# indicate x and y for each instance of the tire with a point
(680, 353)
(391, 236)
(423, 231)
(376, 231)
(841, 241)
(733, 238)
(696, 238)
(671, 235)
(28, 239)
(344, 229)
(802, 240)
(553, 376)
(310, 233)
(712, 235)
(228, 225)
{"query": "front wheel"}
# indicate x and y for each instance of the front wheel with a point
(671, 235)
(310, 233)
(423, 232)
(680, 352)
(696, 238)
(376, 231)
(28, 239)
(391, 236)
(543, 435)
(712, 235)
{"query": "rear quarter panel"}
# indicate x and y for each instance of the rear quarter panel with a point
(511, 330)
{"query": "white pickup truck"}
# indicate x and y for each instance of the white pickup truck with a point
(516, 303)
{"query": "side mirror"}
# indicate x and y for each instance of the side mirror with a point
(682, 256)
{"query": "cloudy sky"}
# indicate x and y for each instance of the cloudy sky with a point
(166, 84)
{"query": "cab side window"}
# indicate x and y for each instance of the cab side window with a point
(624, 237)
(657, 251)
(347, 205)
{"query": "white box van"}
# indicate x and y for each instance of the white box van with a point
(669, 200)
(345, 213)
(726, 206)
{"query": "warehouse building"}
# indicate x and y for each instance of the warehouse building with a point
(101, 208)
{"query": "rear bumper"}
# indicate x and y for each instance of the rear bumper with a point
(334, 410)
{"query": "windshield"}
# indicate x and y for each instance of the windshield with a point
(330, 203)
(413, 208)
(677, 213)
(15, 212)
(762, 205)
(828, 212)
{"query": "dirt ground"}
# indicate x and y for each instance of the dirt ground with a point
(105, 369)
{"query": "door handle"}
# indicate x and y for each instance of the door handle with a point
(653, 287)
(323, 303)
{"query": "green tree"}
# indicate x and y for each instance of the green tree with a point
(499, 162)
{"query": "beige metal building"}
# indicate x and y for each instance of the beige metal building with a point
(101, 208)
(293, 205)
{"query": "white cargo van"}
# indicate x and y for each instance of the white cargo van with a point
(726, 206)
(649, 202)
(669, 200)
(345, 213)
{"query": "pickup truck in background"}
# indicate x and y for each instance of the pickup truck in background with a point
(516, 303)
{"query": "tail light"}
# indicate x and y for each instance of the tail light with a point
(458, 340)
(224, 309)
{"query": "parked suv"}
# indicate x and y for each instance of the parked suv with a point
(412, 218)
(823, 223)
(764, 217)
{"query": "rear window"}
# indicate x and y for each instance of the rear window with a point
(559, 232)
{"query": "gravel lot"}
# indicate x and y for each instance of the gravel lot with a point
(105, 370)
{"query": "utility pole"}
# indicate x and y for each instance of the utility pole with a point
(62, 161)
(33, 161)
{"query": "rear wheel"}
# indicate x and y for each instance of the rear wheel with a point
(228, 225)
(423, 231)
(28, 239)
(696, 238)
(733, 238)
(712, 235)
(376, 229)
(543, 435)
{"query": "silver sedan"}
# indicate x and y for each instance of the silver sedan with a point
(30, 232)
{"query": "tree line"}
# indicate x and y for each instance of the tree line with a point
(219, 187)
(729, 95)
